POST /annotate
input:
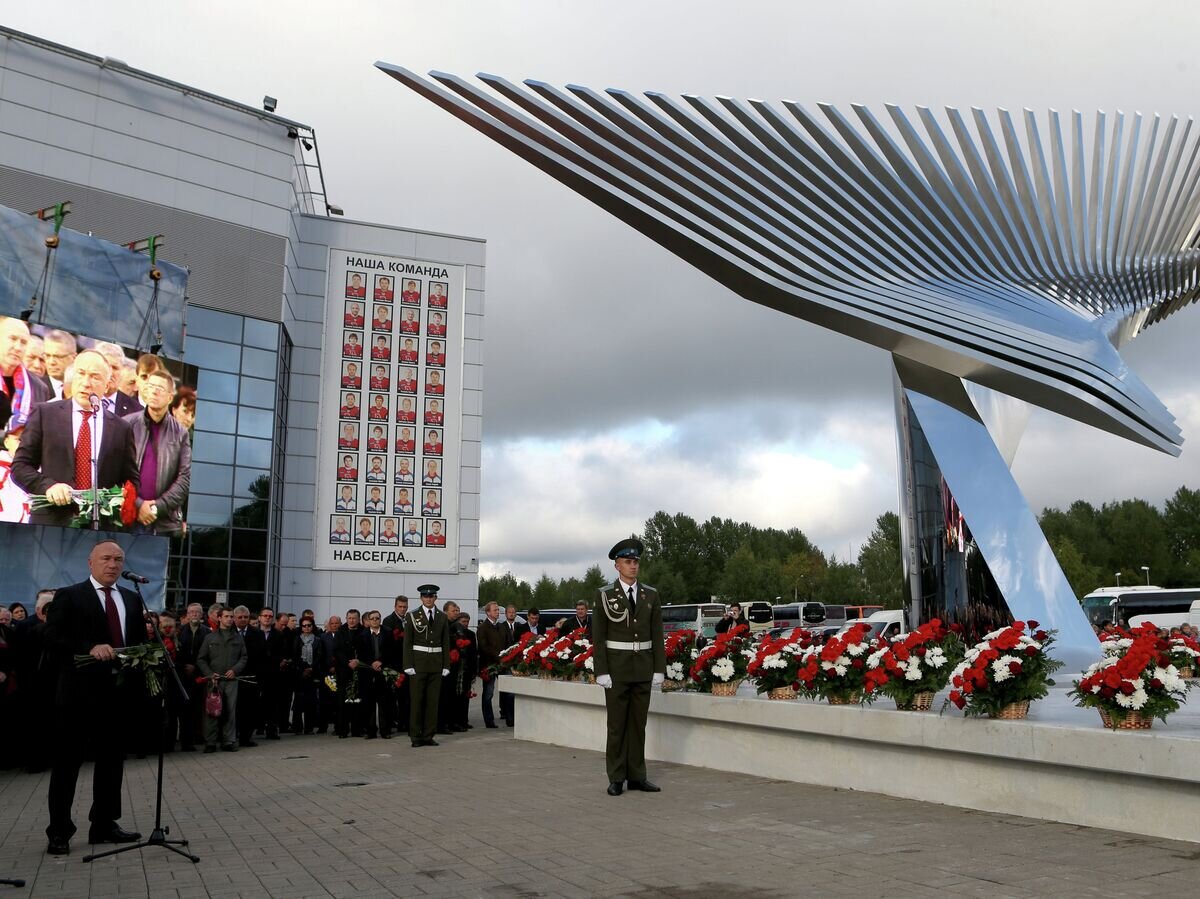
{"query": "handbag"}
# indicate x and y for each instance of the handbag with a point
(213, 703)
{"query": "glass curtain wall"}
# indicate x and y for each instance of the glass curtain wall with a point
(233, 513)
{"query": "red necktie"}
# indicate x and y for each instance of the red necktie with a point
(116, 638)
(83, 454)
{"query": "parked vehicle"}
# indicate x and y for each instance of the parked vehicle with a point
(853, 612)
(1170, 619)
(699, 617)
(1112, 605)
(888, 622)
(759, 615)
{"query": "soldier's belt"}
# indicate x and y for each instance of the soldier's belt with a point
(631, 647)
(427, 648)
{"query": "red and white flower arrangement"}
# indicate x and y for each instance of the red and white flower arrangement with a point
(1009, 667)
(1135, 682)
(924, 659)
(777, 661)
(681, 654)
(722, 662)
(838, 671)
(513, 658)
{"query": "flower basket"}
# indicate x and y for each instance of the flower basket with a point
(1137, 680)
(512, 659)
(921, 702)
(1132, 721)
(545, 675)
(681, 654)
(1000, 675)
(725, 688)
(853, 698)
(1187, 673)
(841, 671)
(782, 693)
(1013, 711)
(722, 665)
(776, 665)
(516, 673)
(919, 664)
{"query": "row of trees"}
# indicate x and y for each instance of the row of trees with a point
(690, 561)
(1093, 544)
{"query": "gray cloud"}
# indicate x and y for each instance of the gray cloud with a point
(590, 328)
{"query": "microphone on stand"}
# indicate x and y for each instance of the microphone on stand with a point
(97, 402)
(134, 577)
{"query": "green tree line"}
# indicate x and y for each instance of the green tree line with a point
(692, 561)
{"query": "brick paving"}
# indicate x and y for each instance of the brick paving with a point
(486, 815)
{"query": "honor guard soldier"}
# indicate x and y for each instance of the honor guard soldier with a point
(629, 657)
(426, 662)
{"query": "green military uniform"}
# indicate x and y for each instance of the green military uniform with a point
(427, 652)
(630, 649)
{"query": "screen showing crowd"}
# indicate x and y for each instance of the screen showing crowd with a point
(78, 413)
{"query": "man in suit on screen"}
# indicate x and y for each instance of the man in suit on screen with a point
(56, 446)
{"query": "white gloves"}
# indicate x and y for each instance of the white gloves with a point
(604, 680)
(658, 679)
(445, 671)
(410, 671)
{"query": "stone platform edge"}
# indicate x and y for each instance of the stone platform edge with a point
(1146, 783)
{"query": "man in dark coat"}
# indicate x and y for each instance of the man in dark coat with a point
(512, 629)
(394, 659)
(345, 657)
(192, 631)
(490, 642)
(97, 618)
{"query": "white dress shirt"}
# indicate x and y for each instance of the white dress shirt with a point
(77, 419)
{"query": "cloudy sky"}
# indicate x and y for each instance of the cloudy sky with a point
(619, 381)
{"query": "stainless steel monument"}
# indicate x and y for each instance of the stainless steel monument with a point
(997, 267)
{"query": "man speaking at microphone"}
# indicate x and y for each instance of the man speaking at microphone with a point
(55, 455)
(92, 618)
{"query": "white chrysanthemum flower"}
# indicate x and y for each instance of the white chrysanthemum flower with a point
(589, 664)
(856, 649)
(1138, 699)
(1000, 672)
(912, 670)
(876, 657)
(674, 671)
(936, 658)
(840, 669)
(723, 669)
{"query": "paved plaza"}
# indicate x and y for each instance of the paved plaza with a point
(486, 815)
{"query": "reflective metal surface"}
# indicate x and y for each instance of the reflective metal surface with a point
(1016, 262)
(1011, 253)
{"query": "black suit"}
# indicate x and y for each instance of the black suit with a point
(345, 649)
(511, 631)
(394, 658)
(190, 723)
(125, 405)
(91, 706)
(250, 699)
(377, 702)
(46, 457)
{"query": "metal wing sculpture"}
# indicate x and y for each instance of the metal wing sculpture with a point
(1019, 264)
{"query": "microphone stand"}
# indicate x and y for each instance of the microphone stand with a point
(158, 836)
(98, 410)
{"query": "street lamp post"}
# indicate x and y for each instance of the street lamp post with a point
(1118, 576)
(1146, 568)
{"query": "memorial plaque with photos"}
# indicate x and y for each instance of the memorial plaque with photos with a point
(391, 400)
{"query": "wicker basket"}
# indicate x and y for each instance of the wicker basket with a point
(515, 673)
(669, 686)
(1188, 673)
(921, 702)
(1132, 721)
(1014, 711)
(725, 689)
(845, 699)
(587, 678)
(546, 675)
(782, 693)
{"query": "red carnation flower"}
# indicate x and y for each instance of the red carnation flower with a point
(128, 504)
(454, 656)
(958, 699)
(1014, 667)
(1156, 684)
(1031, 650)
(857, 663)
(1126, 688)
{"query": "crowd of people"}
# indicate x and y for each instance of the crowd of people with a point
(277, 673)
(60, 405)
